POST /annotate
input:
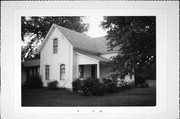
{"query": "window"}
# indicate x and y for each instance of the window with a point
(55, 45)
(62, 71)
(47, 72)
(81, 71)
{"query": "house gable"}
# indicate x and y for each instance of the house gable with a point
(64, 55)
(46, 38)
(51, 30)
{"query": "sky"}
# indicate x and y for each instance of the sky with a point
(94, 26)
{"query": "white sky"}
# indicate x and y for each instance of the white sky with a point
(94, 26)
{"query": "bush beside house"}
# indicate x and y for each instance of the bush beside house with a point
(53, 85)
(76, 85)
(89, 87)
(92, 86)
(111, 85)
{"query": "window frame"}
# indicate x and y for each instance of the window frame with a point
(55, 45)
(62, 71)
(47, 72)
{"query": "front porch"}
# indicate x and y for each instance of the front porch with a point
(90, 70)
(95, 67)
(92, 66)
(98, 70)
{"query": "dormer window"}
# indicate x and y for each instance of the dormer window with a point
(55, 45)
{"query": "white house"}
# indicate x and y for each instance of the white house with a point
(66, 55)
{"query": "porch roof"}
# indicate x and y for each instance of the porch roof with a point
(94, 56)
(101, 59)
(31, 63)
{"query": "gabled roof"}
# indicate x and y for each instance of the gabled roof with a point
(84, 42)
(80, 40)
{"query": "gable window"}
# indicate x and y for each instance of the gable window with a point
(55, 45)
(62, 72)
(81, 71)
(47, 68)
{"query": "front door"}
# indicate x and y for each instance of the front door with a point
(93, 71)
(81, 71)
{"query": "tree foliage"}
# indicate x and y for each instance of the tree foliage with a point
(36, 28)
(135, 38)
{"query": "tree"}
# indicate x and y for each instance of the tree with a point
(36, 28)
(135, 38)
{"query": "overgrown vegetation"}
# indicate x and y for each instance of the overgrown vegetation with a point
(115, 85)
(89, 87)
(141, 82)
(53, 85)
(76, 85)
(92, 86)
(135, 38)
(111, 85)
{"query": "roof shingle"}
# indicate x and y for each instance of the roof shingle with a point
(84, 42)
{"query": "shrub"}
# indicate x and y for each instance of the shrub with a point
(96, 80)
(115, 85)
(88, 86)
(122, 83)
(129, 86)
(125, 85)
(111, 85)
(53, 85)
(92, 87)
(33, 83)
(100, 89)
(76, 84)
(140, 81)
(144, 85)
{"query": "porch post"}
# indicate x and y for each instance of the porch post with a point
(98, 70)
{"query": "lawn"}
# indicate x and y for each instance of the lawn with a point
(62, 97)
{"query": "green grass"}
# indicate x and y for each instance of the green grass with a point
(62, 97)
